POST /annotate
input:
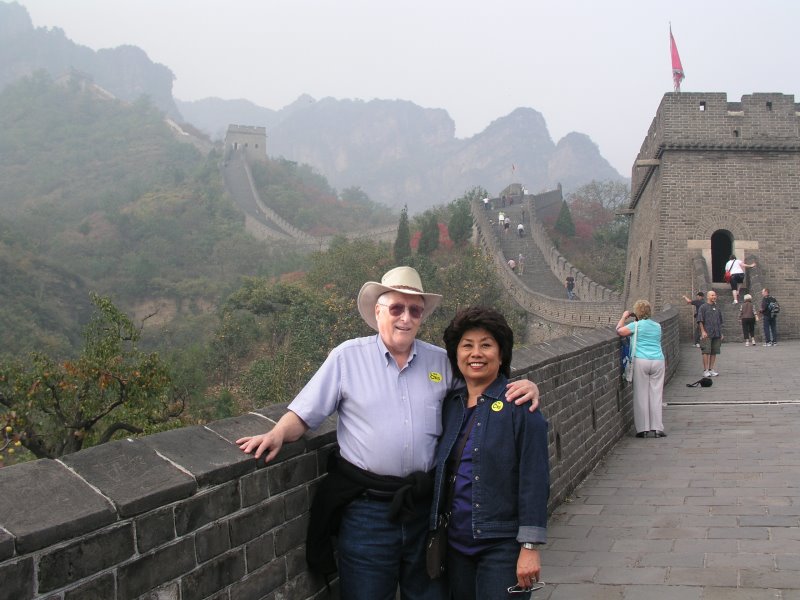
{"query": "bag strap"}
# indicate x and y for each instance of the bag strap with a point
(455, 464)
(635, 335)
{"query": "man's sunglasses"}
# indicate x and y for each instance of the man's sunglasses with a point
(415, 310)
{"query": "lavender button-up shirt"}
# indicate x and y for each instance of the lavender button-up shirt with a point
(390, 419)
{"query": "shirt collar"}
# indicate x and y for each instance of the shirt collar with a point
(496, 389)
(388, 355)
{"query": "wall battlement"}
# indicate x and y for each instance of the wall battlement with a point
(715, 178)
(184, 514)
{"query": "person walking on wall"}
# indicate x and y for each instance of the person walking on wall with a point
(648, 369)
(769, 314)
(700, 299)
(521, 263)
(520, 229)
(709, 319)
(570, 285)
(748, 317)
(736, 268)
(388, 391)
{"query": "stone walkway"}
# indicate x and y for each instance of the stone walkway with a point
(711, 512)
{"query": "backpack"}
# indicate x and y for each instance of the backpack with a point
(773, 307)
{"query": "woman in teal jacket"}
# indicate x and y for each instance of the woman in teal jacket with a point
(648, 369)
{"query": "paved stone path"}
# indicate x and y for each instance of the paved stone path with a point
(711, 512)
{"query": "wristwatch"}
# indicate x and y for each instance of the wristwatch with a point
(529, 546)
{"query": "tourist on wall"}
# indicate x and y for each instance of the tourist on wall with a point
(520, 229)
(709, 319)
(521, 263)
(569, 283)
(388, 391)
(736, 268)
(648, 369)
(492, 478)
(512, 265)
(769, 313)
(700, 299)
(748, 316)
(506, 224)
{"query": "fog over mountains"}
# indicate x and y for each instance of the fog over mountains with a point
(396, 151)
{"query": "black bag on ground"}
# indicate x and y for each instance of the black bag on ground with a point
(704, 382)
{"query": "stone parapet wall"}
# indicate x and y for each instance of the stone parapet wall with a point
(603, 311)
(185, 515)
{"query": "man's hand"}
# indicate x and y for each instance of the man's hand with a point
(522, 391)
(288, 429)
(271, 441)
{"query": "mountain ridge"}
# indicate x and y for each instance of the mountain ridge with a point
(396, 151)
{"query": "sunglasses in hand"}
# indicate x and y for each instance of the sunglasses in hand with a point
(516, 589)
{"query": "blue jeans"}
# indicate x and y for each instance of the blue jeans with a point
(486, 575)
(770, 329)
(375, 555)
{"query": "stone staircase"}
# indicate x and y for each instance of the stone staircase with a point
(537, 275)
(732, 328)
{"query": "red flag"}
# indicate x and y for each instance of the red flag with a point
(677, 67)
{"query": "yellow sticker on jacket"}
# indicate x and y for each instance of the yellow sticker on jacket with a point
(497, 406)
(435, 377)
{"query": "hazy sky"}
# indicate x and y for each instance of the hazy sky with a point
(595, 66)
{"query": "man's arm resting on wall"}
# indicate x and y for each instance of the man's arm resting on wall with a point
(289, 428)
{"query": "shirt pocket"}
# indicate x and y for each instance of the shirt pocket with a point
(433, 418)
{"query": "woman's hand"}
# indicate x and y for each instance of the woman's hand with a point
(529, 566)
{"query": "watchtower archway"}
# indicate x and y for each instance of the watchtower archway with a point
(721, 250)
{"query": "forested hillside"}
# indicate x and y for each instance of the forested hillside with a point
(96, 194)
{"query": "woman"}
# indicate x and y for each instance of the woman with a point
(648, 369)
(748, 316)
(497, 506)
(736, 267)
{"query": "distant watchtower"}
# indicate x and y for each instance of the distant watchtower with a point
(250, 140)
(715, 178)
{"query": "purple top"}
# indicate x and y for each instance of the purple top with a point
(459, 533)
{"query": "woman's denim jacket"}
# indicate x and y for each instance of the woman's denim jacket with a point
(510, 468)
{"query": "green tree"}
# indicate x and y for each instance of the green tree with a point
(402, 245)
(564, 224)
(429, 234)
(57, 408)
(460, 224)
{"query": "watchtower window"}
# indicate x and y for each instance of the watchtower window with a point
(769, 105)
(735, 133)
(702, 106)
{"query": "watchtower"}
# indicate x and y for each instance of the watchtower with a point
(715, 178)
(251, 140)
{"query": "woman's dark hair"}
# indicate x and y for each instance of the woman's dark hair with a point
(733, 257)
(479, 317)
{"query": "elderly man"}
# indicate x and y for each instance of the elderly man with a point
(387, 390)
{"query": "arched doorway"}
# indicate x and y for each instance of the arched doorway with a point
(721, 250)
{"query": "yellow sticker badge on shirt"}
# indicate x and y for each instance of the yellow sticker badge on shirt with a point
(435, 377)
(497, 406)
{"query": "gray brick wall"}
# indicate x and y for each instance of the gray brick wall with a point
(185, 515)
(724, 167)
